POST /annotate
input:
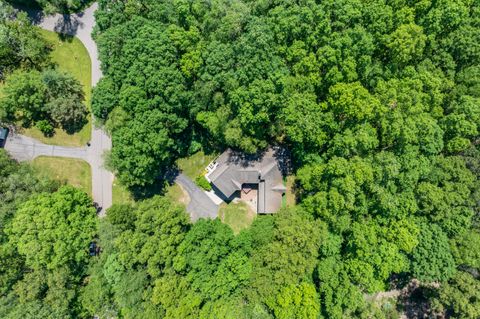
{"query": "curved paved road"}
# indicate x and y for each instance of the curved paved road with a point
(81, 25)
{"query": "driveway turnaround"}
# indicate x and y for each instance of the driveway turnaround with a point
(200, 206)
(81, 25)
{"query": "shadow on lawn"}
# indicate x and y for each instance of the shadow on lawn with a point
(159, 187)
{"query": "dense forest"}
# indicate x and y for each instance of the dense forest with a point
(45, 230)
(334, 79)
(378, 103)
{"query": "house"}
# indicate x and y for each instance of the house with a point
(257, 179)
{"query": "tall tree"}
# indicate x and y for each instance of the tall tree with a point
(21, 44)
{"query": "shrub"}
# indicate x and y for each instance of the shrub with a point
(45, 127)
(202, 182)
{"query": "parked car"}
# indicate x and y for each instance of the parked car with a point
(92, 249)
(3, 136)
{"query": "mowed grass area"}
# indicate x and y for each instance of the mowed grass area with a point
(71, 56)
(120, 194)
(290, 197)
(236, 215)
(194, 166)
(72, 171)
(176, 193)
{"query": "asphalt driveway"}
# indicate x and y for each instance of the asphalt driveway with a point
(24, 148)
(200, 206)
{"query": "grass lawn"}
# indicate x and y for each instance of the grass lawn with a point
(71, 56)
(177, 194)
(72, 171)
(290, 193)
(120, 194)
(194, 165)
(236, 215)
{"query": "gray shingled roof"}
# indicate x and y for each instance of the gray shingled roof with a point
(235, 169)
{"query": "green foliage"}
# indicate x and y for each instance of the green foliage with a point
(24, 93)
(338, 295)
(146, 236)
(62, 224)
(297, 302)
(288, 257)
(104, 99)
(139, 166)
(44, 237)
(45, 127)
(406, 43)
(348, 79)
(432, 259)
(65, 100)
(466, 249)
(50, 95)
(373, 256)
(122, 216)
(21, 44)
(203, 183)
(460, 297)
(96, 296)
(378, 103)
(17, 183)
(214, 268)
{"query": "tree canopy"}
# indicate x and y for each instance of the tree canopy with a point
(33, 90)
(45, 233)
(51, 95)
(21, 44)
(378, 104)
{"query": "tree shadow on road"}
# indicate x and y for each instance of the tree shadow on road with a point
(68, 25)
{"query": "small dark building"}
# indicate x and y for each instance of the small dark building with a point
(3, 136)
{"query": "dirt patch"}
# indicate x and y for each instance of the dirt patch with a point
(411, 301)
